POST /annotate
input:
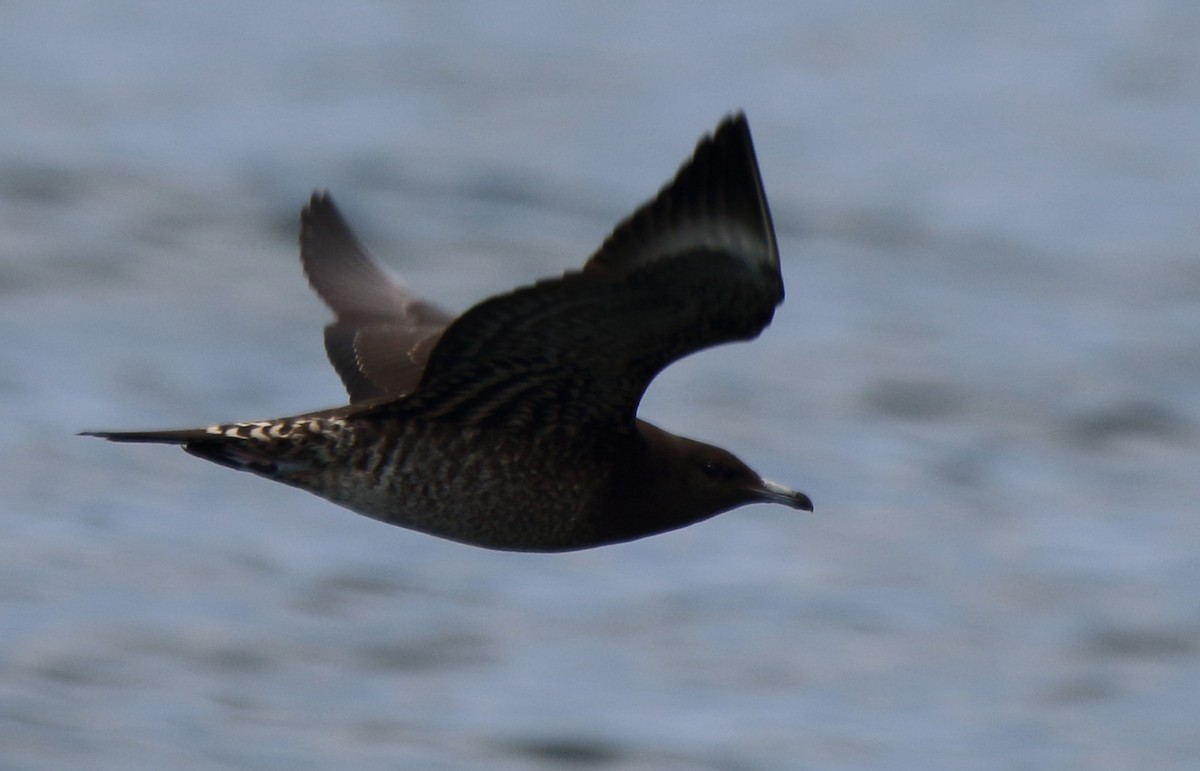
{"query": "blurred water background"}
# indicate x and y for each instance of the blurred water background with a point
(986, 374)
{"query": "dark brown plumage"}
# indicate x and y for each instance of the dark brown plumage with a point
(514, 426)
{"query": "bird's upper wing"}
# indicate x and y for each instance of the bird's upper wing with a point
(694, 267)
(383, 334)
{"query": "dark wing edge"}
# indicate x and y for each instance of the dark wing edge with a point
(715, 202)
(383, 334)
(694, 267)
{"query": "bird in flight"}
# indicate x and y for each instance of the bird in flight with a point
(514, 426)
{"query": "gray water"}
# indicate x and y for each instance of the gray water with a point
(986, 374)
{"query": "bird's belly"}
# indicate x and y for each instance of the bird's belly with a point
(475, 486)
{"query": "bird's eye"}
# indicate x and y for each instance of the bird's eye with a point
(714, 470)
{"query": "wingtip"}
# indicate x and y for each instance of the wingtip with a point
(318, 203)
(715, 201)
(733, 121)
(725, 164)
(324, 234)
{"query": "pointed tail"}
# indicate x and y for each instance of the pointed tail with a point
(241, 446)
(151, 437)
(195, 441)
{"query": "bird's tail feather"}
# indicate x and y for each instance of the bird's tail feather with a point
(237, 445)
(151, 437)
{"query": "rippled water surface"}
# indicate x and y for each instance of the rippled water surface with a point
(986, 374)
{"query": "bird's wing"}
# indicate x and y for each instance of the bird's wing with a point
(384, 333)
(694, 267)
